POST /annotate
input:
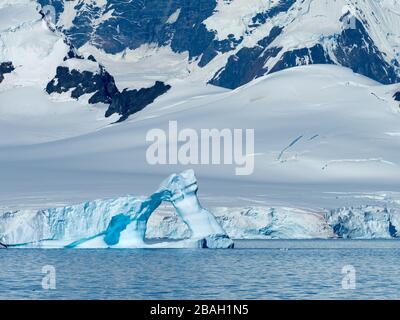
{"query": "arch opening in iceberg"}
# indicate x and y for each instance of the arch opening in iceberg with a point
(117, 223)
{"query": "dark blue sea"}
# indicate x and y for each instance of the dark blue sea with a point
(265, 269)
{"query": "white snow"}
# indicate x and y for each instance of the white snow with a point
(28, 116)
(81, 65)
(174, 17)
(234, 17)
(143, 66)
(34, 50)
(68, 15)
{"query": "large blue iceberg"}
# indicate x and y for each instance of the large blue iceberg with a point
(116, 223)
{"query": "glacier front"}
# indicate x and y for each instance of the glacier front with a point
(116, 223)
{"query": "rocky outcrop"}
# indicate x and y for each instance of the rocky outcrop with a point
(5, 67)
(129, 102)
(100, 84)
(73, 79)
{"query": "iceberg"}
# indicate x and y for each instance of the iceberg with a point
(116, 223)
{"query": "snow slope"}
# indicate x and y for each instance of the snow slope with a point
(344, 126)
(326, 110)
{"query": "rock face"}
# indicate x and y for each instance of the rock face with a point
(80, 76)
(355, 49)
(5, 67)
(397, 96)
(129, 102)
(177, 22)
(118, 222)
(100, 84)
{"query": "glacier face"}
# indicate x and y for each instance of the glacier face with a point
(257, 222)
(364, 222)
(101, 224)
(119, 223)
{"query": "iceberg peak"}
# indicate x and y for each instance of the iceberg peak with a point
(119, 223)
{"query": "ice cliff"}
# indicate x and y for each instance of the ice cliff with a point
(258, 222)
(365, 222)
(120, 223)
(173, 212)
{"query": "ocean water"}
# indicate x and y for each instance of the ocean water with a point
(266, 269)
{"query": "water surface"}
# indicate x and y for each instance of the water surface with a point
(267, 269)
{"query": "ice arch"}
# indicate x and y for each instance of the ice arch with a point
(119, 223)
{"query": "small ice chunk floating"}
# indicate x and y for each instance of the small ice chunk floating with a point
(116, 223)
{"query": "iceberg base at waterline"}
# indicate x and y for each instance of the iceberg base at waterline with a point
(116, 223)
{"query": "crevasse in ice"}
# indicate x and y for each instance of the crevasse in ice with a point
(119, 223)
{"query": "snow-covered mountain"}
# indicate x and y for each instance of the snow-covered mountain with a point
(239, 40)
(34, 53)
(317, 80)
(222, 42)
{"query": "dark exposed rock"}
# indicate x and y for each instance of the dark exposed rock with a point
(304, 56)
(73, 54)
(129, 102)
(91, 58)
(135, 23)
(356, 50)
(397, 96)
(248, 63)
(5, 67)
(104, 90)
(101, 84)
(218, 46)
